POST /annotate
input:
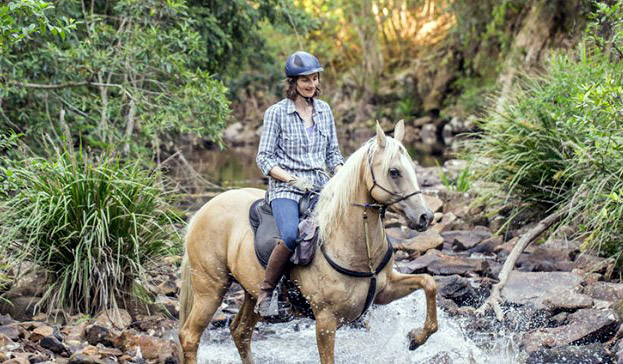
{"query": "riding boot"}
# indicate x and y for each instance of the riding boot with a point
(267, 303)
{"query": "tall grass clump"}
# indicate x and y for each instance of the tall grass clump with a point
(557, 141)
(93, 225)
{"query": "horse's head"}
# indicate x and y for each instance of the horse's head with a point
(392, 180)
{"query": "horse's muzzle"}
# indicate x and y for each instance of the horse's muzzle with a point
(422, 222)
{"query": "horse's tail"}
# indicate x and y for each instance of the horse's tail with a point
(186, 291)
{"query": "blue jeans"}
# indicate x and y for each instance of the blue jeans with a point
(286, 212)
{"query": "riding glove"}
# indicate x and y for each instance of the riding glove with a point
(301, 183)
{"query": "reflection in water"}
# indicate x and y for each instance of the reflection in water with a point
(385, 341)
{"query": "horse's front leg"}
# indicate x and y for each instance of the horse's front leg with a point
(400, 285)
(326, 325)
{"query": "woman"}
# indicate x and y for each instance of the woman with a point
(298, 141)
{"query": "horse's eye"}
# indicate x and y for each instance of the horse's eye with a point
(394, 173)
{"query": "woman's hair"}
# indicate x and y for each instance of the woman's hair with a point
(289, 88)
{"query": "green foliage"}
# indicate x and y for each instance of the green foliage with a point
(94, 225)
(460, 183)
(559, 140)
(129, 76)
(22, 18)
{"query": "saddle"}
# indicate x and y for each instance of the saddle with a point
(266, 236)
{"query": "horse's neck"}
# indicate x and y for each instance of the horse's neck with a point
(348, 243)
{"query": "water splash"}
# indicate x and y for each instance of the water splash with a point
(385, 340)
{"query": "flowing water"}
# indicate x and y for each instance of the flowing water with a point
(384, 341)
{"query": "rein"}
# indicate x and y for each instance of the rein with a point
(382, 207)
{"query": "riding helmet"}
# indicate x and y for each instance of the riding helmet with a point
(301, 64)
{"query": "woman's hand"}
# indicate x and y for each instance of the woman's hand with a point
(301, 183)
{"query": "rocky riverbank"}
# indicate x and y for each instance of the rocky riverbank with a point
(561, 305)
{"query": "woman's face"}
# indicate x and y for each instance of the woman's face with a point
(306, 85)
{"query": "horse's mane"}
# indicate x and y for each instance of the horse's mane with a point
(338, 194)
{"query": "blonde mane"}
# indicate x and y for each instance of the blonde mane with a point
(338, 194)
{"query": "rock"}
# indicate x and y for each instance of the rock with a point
(585, 354)
(457, 203)
(167, 305)
(18, 360)
(446, 221)
(11, 331)
(115, 318)
(433, 202)
(5, 320)
(487, 246)
(424, 241)
(421, 121)
(53, 344)
(437, 263)
(458, 289)
(606, 291)
(464, 240)
(428, 134)
(167, 288)
(41, 332)
(152, 348)
(80, 358)
(96, 334)
(7, 344)
(544, 259)
(585, 326)
(541, 290)
(21, 308)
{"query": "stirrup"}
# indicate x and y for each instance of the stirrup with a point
(277, 310)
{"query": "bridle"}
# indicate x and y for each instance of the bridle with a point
(382, 207)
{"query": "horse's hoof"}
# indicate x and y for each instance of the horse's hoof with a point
(417, 337)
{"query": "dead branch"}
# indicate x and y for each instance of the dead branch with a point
(495, 299)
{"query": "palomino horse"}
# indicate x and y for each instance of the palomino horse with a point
(219, 248)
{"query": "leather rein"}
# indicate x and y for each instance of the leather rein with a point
(382, 207)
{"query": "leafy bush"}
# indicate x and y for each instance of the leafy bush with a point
(558, 140)
(92, 225)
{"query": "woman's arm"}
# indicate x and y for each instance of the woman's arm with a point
(266, 159)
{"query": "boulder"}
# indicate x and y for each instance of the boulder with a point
(458, 289)
(446, 221)
(543, 259)
(487, 246)
(53, 344)
(99, 334)
(41, 332)
(585, 326)
(11, 331)
(433, 202)
(541, 290)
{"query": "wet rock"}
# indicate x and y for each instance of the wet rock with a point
(585, 354)
(541, 290)
(151, 348)
(437, 263)
(458, 289)
(424, 241)
(465, 239)
(585, 326)
(53, 344)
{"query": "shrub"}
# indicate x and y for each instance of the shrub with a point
(92, 225)
(558, 139)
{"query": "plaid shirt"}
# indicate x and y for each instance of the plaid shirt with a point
(286, 144)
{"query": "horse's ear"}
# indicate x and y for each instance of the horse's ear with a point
(399, 131)
(380, 135)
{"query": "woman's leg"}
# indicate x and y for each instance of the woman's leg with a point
(286, 214)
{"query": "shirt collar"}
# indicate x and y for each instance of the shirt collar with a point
(291, 107)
